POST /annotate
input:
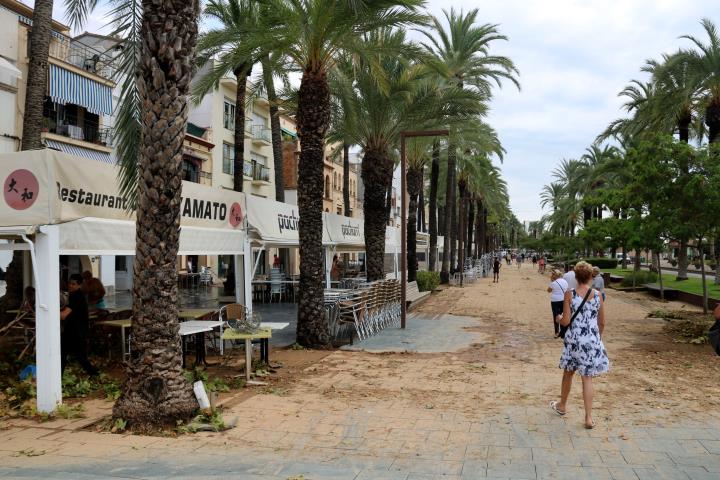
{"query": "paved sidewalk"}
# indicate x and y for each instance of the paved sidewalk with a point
(476, 410)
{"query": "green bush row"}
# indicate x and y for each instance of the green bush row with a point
(600, 262)
(428, 281)
(641, 277)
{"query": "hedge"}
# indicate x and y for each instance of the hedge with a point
(641, 277)
(428, 281)
(600, 262)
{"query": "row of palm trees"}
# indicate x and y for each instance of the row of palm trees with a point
(362, 82)
(682, 97)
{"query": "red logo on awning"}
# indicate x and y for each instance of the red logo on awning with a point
(236, 215)
(21, 189)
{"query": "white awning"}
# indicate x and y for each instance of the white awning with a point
(275, 224)
(80, 151)
(345, 233)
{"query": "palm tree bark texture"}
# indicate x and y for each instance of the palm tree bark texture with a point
(433, 227)
(376, 175)
(241, 74)
(462, 186)
(421, 202)
(39, 39)
(414, 184)
(449, 208)
(346, 179)
(275, 133)
(156, 393)
(470, 219)
(313, 119)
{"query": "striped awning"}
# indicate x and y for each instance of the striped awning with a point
(80, 151)
(70, 87)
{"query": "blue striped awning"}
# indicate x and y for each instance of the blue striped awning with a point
(80, 151)
(69, 87)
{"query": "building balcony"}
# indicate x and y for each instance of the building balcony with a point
(248, 128)
(261, 174)
(261, 135)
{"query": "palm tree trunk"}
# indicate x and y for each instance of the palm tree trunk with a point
(156, 393)
(241, 73)
(478, 223)
(433, 225)
(346, 179)
(388, 201)
(421, 201)
(377, 178)
(275, 132)
(39, 39)
(712, 120)
(470, 218)
(682, 260)
(449, 207)
(454, 232)
(313, 118)
(462, 184)
(414, 182)
(441, 225)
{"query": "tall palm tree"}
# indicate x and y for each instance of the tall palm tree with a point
(432, 204)
(464, 49)
(222, 50)
(314, 36)
(704, 66)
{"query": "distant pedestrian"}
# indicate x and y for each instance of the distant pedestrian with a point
(534, 260)
(557, 288)
(541, 264)
(598, 282)
(518, 260)
(584, 352)
(496, 270)
(570, 279)
(76, 321)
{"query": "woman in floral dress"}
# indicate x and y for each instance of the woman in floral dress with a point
(584, 351)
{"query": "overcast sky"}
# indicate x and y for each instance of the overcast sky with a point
(574, 57)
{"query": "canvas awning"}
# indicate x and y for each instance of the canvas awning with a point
(275, 224)
(345, 233)
(70, 87)
(80, 151)
(47, 187)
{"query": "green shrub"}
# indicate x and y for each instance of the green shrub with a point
(641, 277)
(428, 281)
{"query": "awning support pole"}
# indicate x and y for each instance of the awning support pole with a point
(257, 261)
(47, 300)
(247, 277)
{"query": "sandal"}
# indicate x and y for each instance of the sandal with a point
(554, 405)
(590, 426)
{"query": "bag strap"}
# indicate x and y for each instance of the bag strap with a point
(581, 305)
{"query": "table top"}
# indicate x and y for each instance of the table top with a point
(203, 323)
(231, 334)
(123, 322)
(263, 282)
(194, 312)
(274, 325)
(186, 329)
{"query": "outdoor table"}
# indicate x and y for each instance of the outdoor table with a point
(263, 333)
(197, 328)
(194, 313)
(264, 284)
(122, 324)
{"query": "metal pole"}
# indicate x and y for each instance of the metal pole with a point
(403, 236)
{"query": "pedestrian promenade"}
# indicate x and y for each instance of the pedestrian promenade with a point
(401, 408)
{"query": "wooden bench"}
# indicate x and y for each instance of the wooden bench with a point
(616, 278)
(654, 288)
(413, 295)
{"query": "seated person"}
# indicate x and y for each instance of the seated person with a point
(94, 290)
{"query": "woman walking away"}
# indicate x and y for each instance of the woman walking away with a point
(584, 352)
(558, 286)
(496, 270)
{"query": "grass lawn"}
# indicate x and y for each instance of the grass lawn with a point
(691, 285)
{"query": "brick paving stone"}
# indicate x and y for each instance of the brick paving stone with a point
(623, 473)
(511, 470)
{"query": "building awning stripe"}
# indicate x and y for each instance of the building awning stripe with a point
(80, 151)
(292, 134)
(69, 87)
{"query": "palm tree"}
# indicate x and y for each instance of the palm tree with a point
(314, 36)
(221, 49)
(464, 49)
(272, 64)
(432, 204)
(704, 66)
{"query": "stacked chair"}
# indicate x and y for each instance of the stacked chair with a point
(368, 311)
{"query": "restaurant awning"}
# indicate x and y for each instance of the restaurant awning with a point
(275, 224)
(70, 87)
(80, 151)
(345, 233)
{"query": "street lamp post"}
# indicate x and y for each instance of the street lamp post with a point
(403, 216)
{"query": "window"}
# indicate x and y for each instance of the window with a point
(327, 186)
(260, 159)
(258, 119)
(189, 171)
(229, 115)
(121, 263)
(228, 158)
(339, 210)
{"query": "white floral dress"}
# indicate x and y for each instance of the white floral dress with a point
(584, 351)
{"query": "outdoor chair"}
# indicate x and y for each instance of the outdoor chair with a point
(350, 313)
(206, 277)
(231, 311)
(277, 287)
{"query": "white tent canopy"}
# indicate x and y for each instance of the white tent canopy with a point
(275, 224)
(345, 233)
(55, 203)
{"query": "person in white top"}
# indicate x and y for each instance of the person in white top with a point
(557, 288)
(570, 279)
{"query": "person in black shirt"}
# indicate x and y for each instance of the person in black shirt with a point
(76, 319)
(496, 270)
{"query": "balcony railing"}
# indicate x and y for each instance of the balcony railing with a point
(86, 133)
(91, 60)
(261, 132)
(260, 172)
